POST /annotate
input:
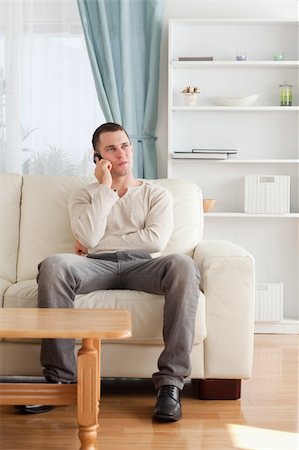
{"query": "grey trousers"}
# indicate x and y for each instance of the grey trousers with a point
(62, 276)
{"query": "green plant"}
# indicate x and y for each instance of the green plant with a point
(26, 132)
(191, 90)
(55, 161)
(86, 166)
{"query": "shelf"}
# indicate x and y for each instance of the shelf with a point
(235, 21)
(260, 161)
(235, 64)
(246, 215)
(237, 108)
(238, 161)
(285, 326)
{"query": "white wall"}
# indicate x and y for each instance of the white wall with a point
(254, 9)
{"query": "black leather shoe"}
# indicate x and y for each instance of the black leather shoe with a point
(37, 409)
(168, 405)
(33, 409)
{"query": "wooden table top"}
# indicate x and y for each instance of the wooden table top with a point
(64, 323)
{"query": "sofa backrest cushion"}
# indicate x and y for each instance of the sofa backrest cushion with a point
(188, 216)
(10, 197)
(45, 226)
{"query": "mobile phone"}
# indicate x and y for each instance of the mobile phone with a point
(96, 155)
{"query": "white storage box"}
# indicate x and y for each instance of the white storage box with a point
(267, 194)
(269, 302)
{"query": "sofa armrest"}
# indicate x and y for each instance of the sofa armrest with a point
(228, 282)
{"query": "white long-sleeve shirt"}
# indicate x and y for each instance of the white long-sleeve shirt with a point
(142, 219)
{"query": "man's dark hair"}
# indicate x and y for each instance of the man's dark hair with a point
(104, 128)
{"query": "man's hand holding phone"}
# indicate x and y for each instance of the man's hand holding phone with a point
(102, 170)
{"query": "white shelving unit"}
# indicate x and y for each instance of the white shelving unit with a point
(265, 134)
(235, 108)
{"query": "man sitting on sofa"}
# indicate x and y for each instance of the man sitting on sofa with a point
(121, 224)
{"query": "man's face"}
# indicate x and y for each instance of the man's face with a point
(116, 148)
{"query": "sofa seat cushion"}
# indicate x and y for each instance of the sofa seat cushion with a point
(146, 309)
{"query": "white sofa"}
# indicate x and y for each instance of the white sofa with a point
(35, 224)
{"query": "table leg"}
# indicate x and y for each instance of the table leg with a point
(88, 393)
(97, 345)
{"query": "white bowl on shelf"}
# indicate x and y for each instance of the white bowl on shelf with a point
(236, 101)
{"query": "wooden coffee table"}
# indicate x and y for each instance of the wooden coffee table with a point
(90, 325)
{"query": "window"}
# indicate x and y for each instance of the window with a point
(47, 91)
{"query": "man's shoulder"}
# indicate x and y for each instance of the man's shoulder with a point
(85, 190)
(91, 187)
(155, 192)
(155, 187)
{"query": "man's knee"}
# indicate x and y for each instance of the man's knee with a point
(56, 264)
(182, 265)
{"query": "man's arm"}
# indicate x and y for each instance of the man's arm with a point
(155, 233)
(89, 209)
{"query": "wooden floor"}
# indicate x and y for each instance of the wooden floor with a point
(266, 418)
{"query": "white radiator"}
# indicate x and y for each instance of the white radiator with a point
(269, 302)
(267, 194)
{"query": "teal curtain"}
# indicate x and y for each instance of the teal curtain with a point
(123, 42)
